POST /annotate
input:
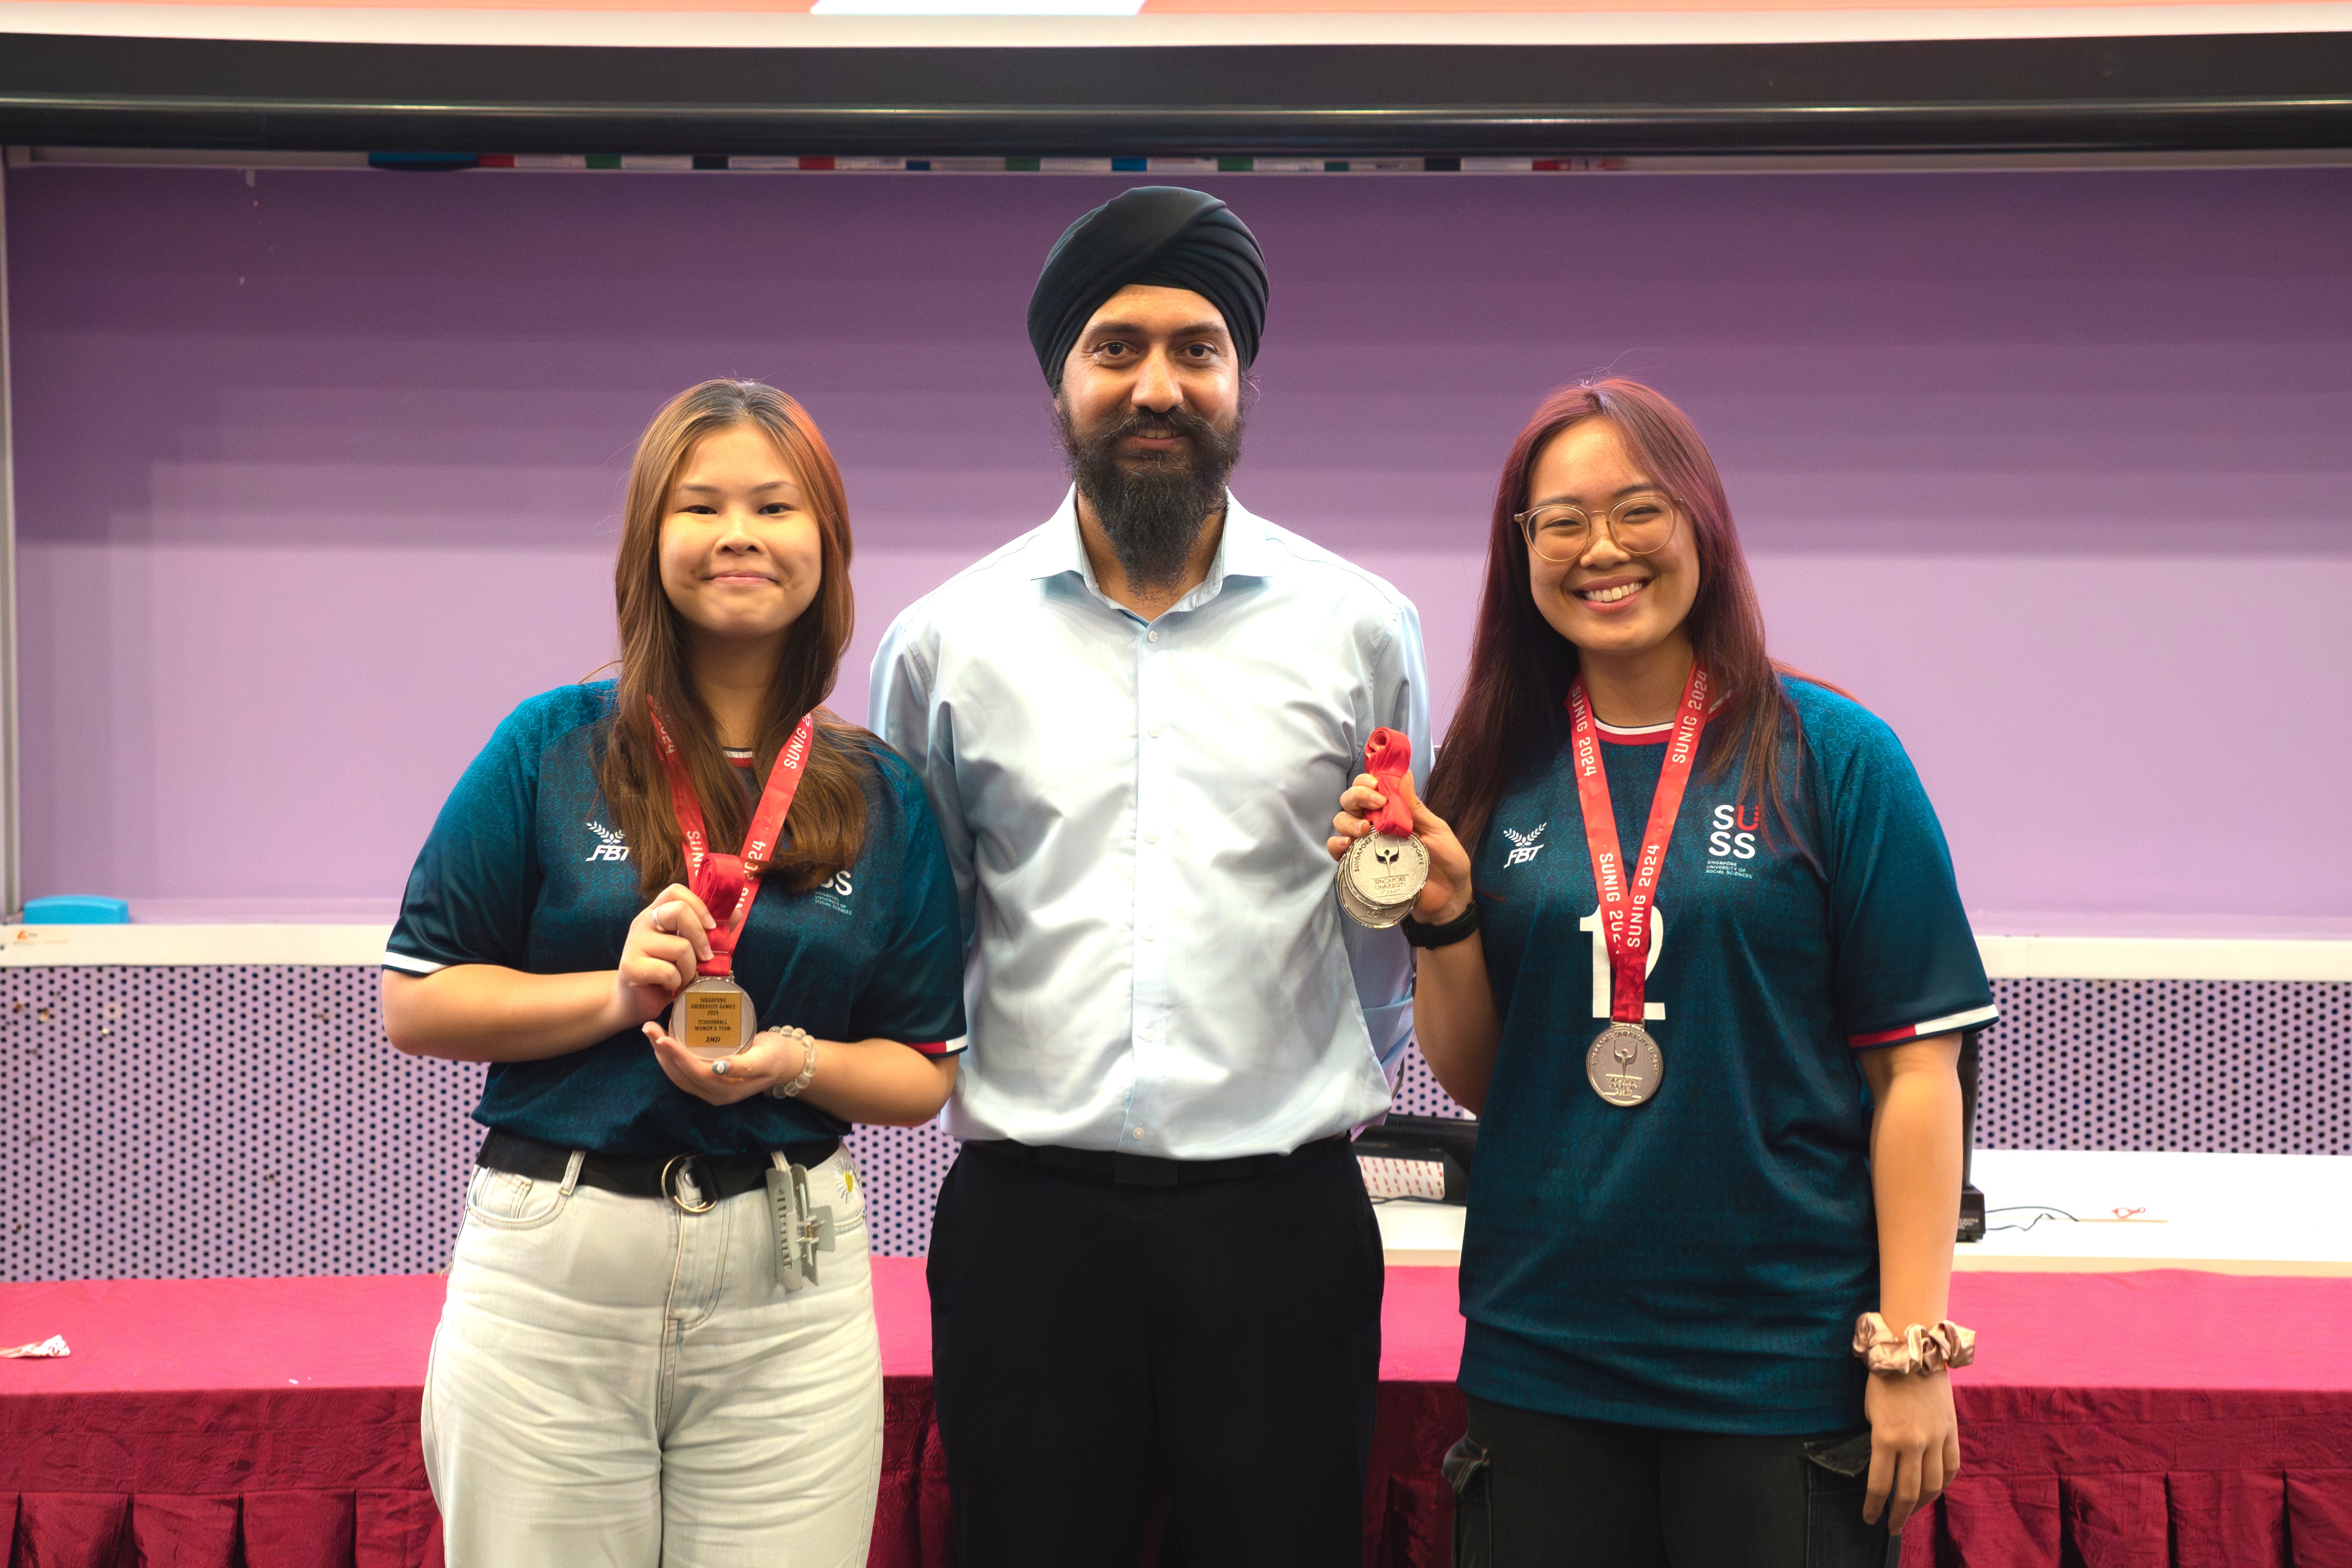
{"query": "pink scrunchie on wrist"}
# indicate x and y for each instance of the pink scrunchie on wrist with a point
(1918, 1351)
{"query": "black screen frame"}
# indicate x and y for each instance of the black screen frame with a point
(2139, 94)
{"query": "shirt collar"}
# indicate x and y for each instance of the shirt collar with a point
(1054, 549)
(1243, 551)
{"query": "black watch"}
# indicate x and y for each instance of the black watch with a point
(1444, 935)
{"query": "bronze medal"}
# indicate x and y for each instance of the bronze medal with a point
(713, 1017)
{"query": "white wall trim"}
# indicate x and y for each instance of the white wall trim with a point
(2005, 957)
(34, 947)
(2164, 959)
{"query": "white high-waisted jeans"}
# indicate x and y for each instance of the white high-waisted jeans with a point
(618, 1384)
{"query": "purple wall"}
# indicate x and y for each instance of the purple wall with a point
(317, 476)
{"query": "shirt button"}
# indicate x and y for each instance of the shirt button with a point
(1138, 1135)
(1147, 1034)
(1151, 838)
(1151, 936)
(1155, 732)
(1151, 637)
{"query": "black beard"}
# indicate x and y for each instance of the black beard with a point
(1152, 504)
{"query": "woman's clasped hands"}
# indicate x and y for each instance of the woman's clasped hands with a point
(665, 941)
(773, 1057)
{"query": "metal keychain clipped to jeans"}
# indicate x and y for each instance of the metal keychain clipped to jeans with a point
(803, 1230)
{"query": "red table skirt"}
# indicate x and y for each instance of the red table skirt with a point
(202, 1424)
(2011, 1507)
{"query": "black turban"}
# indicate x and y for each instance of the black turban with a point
(1158, 235)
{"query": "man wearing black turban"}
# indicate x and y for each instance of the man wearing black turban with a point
(1158, 236)
(1180, 251)
(1153, 1266)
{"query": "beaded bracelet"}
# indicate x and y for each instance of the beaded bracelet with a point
(808, 1064)
(1918, 1351)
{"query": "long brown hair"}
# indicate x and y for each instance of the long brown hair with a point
(1515, 699)
(827, 827)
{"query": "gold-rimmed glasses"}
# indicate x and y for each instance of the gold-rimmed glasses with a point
(1640, 524)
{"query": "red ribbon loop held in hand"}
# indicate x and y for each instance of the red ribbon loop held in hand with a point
(1388, 758)
(727, 884)
(719, 881)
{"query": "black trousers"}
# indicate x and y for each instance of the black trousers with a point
(1534, 1491)
(1096, 1345)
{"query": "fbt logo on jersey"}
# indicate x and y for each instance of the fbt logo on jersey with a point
(1524, 846)
(1734, 838)
(612, 849)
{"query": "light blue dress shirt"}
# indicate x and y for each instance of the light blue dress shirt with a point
(1136, 815)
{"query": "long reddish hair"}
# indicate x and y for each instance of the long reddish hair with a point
(1514, 704)
(827, 826)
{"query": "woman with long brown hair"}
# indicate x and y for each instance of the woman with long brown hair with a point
(658, 1345)
(1692, 948)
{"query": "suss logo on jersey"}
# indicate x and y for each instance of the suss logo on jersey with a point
(1735, 833)
(833, 894)
(1731, 842)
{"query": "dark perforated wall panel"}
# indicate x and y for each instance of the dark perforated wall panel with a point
(2202, 1066)
(185, 1122)
(2216, 1066)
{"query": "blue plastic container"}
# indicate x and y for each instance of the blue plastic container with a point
(75, 909)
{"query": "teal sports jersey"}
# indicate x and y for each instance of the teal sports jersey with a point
(523, 870)
(1697, 1263)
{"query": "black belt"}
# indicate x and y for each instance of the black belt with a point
(1145, 1170)
(715, 1176)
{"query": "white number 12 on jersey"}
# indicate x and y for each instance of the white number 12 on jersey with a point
(1651, 1012)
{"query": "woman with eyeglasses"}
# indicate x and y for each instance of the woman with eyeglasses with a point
(1692, 949)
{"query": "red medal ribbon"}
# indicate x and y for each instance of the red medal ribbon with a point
(1626, 904)
(1388, 757)
(732, 881)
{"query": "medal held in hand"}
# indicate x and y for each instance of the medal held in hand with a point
(1382, 873)
(1624, 1065)
(713, 1016)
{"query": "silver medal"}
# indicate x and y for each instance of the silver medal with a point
(1624, 1065)
(1380, 878)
